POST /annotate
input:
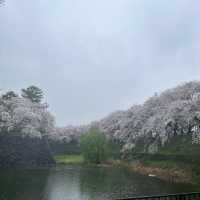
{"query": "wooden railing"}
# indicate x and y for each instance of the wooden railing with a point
(182, 196)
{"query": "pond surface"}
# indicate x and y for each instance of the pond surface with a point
(81, 183)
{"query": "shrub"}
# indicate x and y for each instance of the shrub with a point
(94, 146)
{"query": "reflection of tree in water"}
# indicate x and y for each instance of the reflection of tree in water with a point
(81, 183)
(22, 184)
(98, 182)
(111, 183)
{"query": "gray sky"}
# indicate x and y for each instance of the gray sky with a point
(93, 57)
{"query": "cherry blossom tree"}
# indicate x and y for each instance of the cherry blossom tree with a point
(22, 116)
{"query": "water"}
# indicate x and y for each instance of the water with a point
(81, 183)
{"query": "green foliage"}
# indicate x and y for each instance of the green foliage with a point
(94, 146)
(33, 93)
(140, 145)
(64, 147)
(69, 159)
(164, 164)
(180, 145)
(178, 148)
(114, 149)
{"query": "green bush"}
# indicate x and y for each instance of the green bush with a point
(94, 146)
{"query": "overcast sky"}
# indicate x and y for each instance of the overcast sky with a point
(92, 57)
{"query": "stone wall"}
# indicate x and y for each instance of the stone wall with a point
(17, 151)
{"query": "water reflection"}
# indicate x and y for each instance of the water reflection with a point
(22, 184)
(63, 184)
(81, 183)
(113, 183)
(87, 183)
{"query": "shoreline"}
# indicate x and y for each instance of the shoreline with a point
(174, 175)
(174, 172)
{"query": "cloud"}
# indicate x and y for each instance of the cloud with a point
(93, 57)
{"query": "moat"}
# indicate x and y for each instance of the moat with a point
(81, 183)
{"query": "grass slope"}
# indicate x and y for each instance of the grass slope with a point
(181, 145)
(179, 156)
(69, 159)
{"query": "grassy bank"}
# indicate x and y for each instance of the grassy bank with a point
(177, 171)
(69, 159)
(166, 170)
(178, 161)
(78, 159)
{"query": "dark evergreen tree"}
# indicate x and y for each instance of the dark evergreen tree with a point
(9, 95)
(33, 93)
